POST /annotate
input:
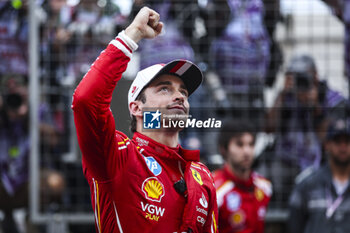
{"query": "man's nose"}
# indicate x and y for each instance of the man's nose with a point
(248, 150)
(178, 96)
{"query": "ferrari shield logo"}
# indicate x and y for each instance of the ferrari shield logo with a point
(197, 176)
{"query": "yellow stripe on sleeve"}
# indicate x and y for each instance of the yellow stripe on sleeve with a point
(214, 222)
(98, 205)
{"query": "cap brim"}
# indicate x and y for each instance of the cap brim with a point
(187, 71)
(333, 135)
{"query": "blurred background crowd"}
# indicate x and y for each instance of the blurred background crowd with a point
(283, 65)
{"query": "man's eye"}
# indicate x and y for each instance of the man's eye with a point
(164, 89)
(185, 93)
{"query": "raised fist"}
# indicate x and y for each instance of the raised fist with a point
(145, 25)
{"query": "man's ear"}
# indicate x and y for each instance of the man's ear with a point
(135, 108)
(327, 145)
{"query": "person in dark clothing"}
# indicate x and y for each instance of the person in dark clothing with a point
(321, 201)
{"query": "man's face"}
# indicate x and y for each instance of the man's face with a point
(305, 90)
(240, 152)
(168, 93)
(339, 150)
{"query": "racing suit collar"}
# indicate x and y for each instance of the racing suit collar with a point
(163, 150)
(243, 184)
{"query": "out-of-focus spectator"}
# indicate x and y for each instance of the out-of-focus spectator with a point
(241, 55)
(272, 17)
(341, 9)
(13, 38)
(299, 119)
(346, 17)
(15, 149)
(72, 35)
(242, 194)
(55, 45)
(320, 203)
(93, 25)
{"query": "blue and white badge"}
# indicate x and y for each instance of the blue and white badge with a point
(153, 165)
(233, 201)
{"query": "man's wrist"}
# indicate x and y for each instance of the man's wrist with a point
(124, 43)
(133, 33)
(129, 41)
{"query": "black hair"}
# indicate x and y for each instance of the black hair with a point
(234, 129)
(141, 97)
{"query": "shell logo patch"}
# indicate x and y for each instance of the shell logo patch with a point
(197, 176)
(237, 218)
(153, 189)
(259, 195)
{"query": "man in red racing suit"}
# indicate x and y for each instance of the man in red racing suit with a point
(149, 183)
(242, 194)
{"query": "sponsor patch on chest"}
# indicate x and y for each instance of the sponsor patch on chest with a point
(152, 212)
(153, 189)
(153, 165)
(233, 201)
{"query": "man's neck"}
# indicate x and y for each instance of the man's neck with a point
(243, 174)
(170, 139)
(340, 173)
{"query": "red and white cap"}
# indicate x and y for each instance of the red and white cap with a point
(190, 74)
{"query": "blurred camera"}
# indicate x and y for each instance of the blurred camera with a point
(303, 81)
(302, 68)
(12, 101)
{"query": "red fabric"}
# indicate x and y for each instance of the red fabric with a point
(131, 181)
(177, 66)
(242, 203)
(200, 204)
(121, 41)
